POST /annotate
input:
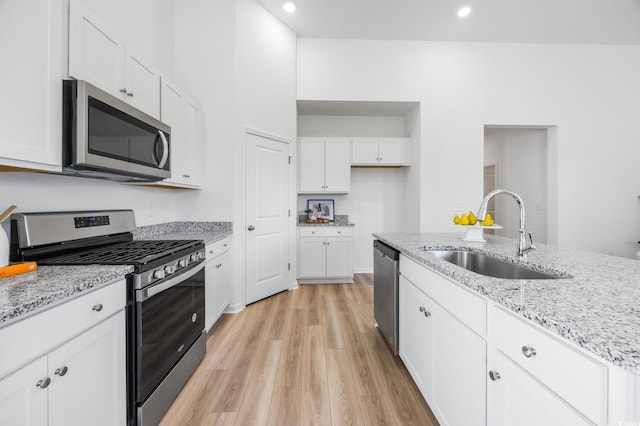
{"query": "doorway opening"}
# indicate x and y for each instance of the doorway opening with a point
(525, 156)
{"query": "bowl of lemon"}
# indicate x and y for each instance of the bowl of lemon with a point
(474, 226)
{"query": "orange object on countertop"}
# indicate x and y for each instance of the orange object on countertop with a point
(18, 268)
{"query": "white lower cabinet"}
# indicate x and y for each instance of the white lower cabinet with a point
(514, 397)
(446, 358)
(79, 383)
(217, 281)
(477, 363)
(325, 254)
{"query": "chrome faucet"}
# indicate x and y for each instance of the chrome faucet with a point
(523, 248)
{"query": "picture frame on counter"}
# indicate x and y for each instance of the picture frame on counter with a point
(321, 210)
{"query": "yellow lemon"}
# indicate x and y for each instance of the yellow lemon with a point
(456, 220)
(464, 220)
(472, 219)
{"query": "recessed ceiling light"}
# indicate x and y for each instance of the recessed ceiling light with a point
(290, 6)
(464, 11)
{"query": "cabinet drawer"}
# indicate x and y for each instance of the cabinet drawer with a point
(35, 335)
(460, 302)
(325, 231)
(572, 375)
(216, 249)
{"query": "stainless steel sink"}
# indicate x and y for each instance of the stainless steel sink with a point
(490, 266)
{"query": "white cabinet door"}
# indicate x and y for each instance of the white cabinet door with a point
(21, 401)
(88, 377)
(391, 151)
(339, 257)
(96, 52)
(459, 363)
(416, 336)
(31, 49)
(142, 82)
(99, 55)
(222, 283)
(337, 167)
(217, 281)
(193, 147)
(311, 167)
(364, 151)
(312, 257)
(516, 398)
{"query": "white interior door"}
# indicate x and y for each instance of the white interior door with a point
(267, 215)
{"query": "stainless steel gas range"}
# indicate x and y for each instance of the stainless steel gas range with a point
(165, 295)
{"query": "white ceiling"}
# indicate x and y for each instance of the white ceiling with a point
(508, 21)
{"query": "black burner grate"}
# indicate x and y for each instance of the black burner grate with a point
(130, 253)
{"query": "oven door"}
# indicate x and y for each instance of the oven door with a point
(169, 318)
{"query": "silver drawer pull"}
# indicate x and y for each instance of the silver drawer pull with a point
(44, 383)
(494, 375)
(97, 307)
(427, 314)
(528, 351)
(61, 371)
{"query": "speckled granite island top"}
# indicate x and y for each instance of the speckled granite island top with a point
(26, 294)
(597, 308)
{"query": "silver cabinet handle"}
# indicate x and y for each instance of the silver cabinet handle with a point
(494, 375)
(61, 371)
(123, 90)
(251, 228)
(186, 176)
(528, 351)
(43, 383)
(422, 309)
(224, 245)
(97, 307)
(130, 94)
(427, 314)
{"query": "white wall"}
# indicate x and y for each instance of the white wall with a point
(591, 93)
(521, 158)
(239, 63)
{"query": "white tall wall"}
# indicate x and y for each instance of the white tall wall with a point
(239, 63)
(591, 93)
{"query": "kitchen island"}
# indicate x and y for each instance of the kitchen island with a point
(591, 311)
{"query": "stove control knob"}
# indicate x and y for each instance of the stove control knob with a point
(201, 255)
(182, 263)
(158, 274)
(170, 269)
(193, 257)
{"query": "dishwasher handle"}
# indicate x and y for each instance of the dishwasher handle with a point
(385, 250)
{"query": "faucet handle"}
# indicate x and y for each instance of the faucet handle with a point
(532, 245)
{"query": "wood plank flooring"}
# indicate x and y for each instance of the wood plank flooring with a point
(310, 356)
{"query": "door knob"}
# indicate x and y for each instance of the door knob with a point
(251, 228)
(494, 375)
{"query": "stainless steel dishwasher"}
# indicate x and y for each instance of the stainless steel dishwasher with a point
(385, 292)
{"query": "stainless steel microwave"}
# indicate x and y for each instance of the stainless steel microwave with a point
(104, 137)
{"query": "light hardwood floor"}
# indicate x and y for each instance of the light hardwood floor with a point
(310, 356)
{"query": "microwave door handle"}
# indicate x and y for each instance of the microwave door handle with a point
(165, 149)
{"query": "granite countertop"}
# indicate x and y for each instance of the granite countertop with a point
(339, 220)
(27, 294)
(597, 307)
(210, 232)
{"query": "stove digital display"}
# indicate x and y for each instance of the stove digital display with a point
(88, 221)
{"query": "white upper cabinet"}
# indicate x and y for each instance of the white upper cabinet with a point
(32, 47)
(100, 56)
(324, 166)
(183, 116)
(379, 152)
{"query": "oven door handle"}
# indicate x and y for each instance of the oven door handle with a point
(148, 293)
